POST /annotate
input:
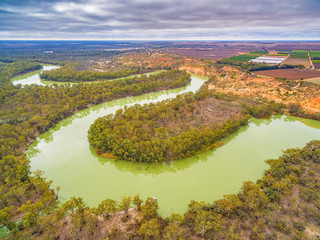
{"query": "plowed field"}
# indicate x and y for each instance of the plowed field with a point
(290, 74)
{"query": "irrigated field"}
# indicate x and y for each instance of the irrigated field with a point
(290, 74)
(299, 54)
(315, 54)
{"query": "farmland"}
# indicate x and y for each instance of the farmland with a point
(298, 61)
(207, 53)
(290, 74)
(242, 58)
(299, 54)
(314, 54)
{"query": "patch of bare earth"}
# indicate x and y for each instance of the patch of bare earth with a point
(290, 74)
(298, 61)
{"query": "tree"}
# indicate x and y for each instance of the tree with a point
(150, 209)
(125, 205)
(205, 221)
(173, 231)
(228, 204)
(137, 201)
(106, 207)
(252, 196)
(150, 229)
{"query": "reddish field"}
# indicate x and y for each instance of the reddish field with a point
(207, 53)
(295, 46)
(316, 65)
(290, 74)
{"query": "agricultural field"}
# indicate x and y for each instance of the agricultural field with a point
(298, 61)
(289, 74)
(315, 57)
(315, 54)
(303, 54)
(208, 53)
(243, 57)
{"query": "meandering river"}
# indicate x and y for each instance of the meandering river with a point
(64, 154)
(33, 77)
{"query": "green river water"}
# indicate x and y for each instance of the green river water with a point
(64, 154)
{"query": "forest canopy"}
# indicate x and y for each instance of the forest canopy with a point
(70, 73)
(168, 130)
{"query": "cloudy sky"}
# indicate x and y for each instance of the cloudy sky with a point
(160, 19)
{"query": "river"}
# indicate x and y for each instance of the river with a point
(64, 154)
(32, 77)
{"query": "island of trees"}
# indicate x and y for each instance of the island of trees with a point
(168, 130)
(72, 72)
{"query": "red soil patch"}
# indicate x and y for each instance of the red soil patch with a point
(316, 65)
(196, 70)
(290, 74)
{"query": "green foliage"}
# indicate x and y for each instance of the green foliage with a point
(173, 232)
(150, 229)
(25, 113)
(106, 207)
(263, 109)
(137, 201)
(164, 131)
(11, 69)
(71, 73)
(228, 205)
(125, 204)
(150, 209)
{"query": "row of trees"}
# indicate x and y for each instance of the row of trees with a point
(70, 73)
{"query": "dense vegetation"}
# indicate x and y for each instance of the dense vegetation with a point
(34, 109)
(29, 111)
(165, 131)
(7, 71)
(284, 204)
(70, 73)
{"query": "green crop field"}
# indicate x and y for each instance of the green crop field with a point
(279, 54)
(316, 61)
(299, 54)
(243, 57)
(315, 54)
(259, 52)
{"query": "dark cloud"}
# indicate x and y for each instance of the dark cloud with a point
(156, 19)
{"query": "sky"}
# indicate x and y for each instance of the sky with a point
(160, 19)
